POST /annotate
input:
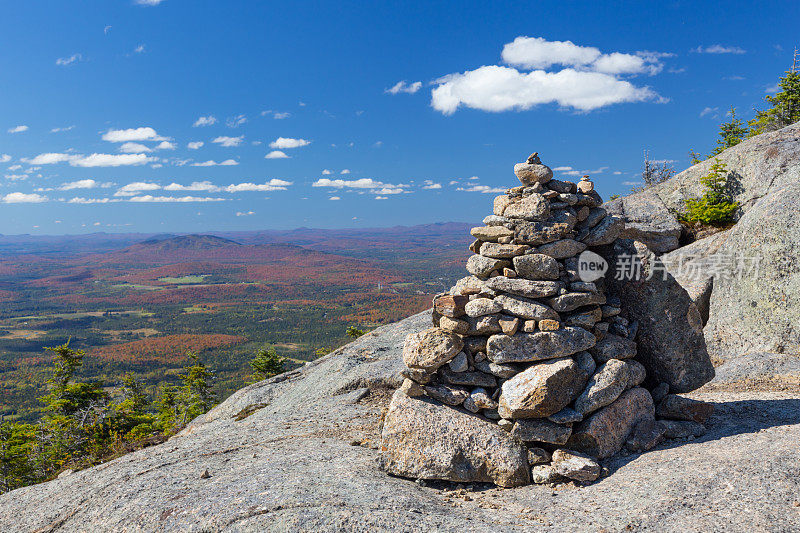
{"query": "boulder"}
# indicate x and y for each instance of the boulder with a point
(604, 387)
(562, 249)
(428, 350)
(670, 335)
(541, 430)
(481, 266)
(646, 219)
(482, 306)
(422, 439)
(491, 233)
(604, 433)
(606, 232)
(537, 233)
(575, 465)
(646, 435)
(524, 347)
(613, 347)
(532, 207)
(502, 251)
(541, 390)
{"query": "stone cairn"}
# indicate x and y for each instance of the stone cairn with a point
(524, 344)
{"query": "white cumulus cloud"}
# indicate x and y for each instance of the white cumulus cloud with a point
(110, 160)
(131, 135)
(212, 163)
(79, 184)
(194, 145)
(429, 184)
(23, 198)
(134, 148)
(18, 129)
(173, 199)
(51, 158)
(485, 189)
(245, 213)
(283, 143)
(5, 158)
(276, 154)
(132, 189)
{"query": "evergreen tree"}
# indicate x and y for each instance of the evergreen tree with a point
(131, 421)
(731, 133)
(354, 332)
(196, 395)
(784, 106)
(267, 363)
(715, 207)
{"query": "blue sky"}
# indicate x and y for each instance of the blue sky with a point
(185, 116)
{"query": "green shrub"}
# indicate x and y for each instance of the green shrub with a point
(715, 207)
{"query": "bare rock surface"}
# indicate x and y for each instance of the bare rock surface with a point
(294, 465)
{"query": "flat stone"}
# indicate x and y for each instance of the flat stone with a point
(482, 306)
(604, 433)
(500, 203)
(494, 220)
(481, 266)
(475, 344)
(491, 233)
(541, 390)
(459, 363)
(573, 300)
(604, 387)
(548, 324)
(538, 233)
(525, 308)
(447, 394)
(561, 186)
(680, 408)
(454, 325)
(536, 267)
(585, 320)
(533, 207)
(562, 249)
(495, 369)
(648, 220)
(566, 416)
(478, 399)
(464, 287)
(412, 388)
(596, 214)
(528, 326)
(646, 435)
(502, 251)
(509, 325)
(538, 346)
(606, 232)
(422, 439)
(541, 430)
(613, 347)
(537, 455)
(429, 349)
(449, 305)
(469, 379)
(525, 287)
(544, 475)
(484, 325)
(575, 465)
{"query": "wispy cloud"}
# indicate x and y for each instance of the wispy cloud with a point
(5, 158)
(712, 111)
(228, 141)
(173, 199)
(18, 129)
(64, 61)
(403, 87)
(134, 148)
(205, 121)
(482, 189)
(57, 130)
(212, 163)
(194, 145)
(719, 49)
(235, 122)
(245, 214)
(429, 184)
(110, 160)
(80, 184)
(148, 2)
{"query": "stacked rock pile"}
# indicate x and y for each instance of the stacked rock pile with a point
(526, 343)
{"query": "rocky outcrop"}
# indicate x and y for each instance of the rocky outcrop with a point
(305, 460)
(755, 303)
(758, 166)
